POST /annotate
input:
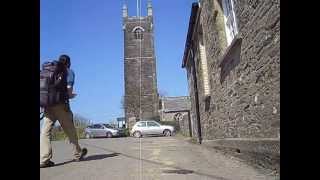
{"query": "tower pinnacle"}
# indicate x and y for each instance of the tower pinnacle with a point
(149, 8)
(124, 11)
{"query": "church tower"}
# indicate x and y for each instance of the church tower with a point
(141, 94)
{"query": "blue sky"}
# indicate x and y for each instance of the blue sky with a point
(90, 31)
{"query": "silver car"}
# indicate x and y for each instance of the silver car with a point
(102, 130)
(150, 127)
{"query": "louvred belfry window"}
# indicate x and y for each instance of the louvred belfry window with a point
(138, 33)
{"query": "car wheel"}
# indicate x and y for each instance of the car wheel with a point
(167, 132)
(88, 136)
(137, 134)
(109, 135)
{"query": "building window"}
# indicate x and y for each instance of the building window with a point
(138, 33)
(230, 20)
(160, 104)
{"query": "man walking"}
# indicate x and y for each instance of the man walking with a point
(63, 114)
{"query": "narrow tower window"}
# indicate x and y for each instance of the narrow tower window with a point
(138, 33)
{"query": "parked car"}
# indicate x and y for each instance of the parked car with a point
(102, 130)
(151, 127)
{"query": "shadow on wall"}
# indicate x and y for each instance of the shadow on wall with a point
(231, 59)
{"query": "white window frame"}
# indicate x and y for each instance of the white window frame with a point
(204, 67)
(229, 20)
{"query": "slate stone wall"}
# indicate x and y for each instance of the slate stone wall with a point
(246, 103)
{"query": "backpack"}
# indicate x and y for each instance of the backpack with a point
(53, 84)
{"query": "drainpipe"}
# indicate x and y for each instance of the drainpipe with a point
(189, 122)
(194, 73)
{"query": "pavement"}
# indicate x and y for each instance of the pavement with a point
(148, 158)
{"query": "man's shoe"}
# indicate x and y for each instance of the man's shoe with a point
(84, 152)
(47, 164)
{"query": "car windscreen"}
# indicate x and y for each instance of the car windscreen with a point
(108, 126)
(141, 124)
(152, 124)
(97, 126)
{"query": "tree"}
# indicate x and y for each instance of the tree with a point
(80, 121)
(163, 93)
(122, 103)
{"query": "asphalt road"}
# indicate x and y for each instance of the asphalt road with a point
(150, 158)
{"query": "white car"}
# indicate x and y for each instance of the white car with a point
(150, 127)
(102, 130)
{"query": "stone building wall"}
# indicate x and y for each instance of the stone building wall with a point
(193, 114)
(184, 125)
(246, 102)
(170, 116)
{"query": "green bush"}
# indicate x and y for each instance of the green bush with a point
(126, 132)
(58, 134)
(81, 134)
(194, 140)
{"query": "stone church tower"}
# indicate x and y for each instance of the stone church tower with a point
(141, 94)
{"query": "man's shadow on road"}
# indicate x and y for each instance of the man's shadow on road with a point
(91, 158)
(100, 156)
